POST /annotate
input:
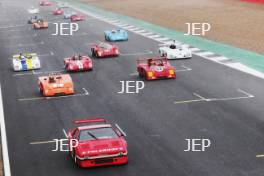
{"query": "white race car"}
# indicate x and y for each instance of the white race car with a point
(68, 14)
(26, 61)
(33, 10)
(173, 50)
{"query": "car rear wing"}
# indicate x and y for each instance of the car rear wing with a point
(94, 120)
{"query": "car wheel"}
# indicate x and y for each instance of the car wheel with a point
(92, 52)
(76, 160)
(96, 55)
(41, 89)
(145, 75)
(140, 73)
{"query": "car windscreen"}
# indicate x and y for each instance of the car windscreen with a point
(97, 133)
(105, 45)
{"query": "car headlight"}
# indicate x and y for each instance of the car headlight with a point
(123, 153)
(150, 74)
(171, 72)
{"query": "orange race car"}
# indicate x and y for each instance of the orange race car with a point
(56, 84)
(40, 23)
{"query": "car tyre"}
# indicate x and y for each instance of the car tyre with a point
(93, 54)
(96, 55)
(41, 90)
(145, 75)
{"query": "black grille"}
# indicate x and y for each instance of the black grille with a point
(103, 160)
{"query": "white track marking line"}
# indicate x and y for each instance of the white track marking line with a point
(199, 96)
(247, 96)
(135, 29)
(38, 72)
(187, 68)
(163, 39)
(42, 142)
(22, 74)
(128, 27)
(64, 132)
(122, 25)
(183, 70)
(204, 53)
(188, 101)
(141, 31)
(7, 171)
(147, 34)
(246, 93)
(155, 36)
(220, 59)
(259, 156)
(194, 49)
(85, 93)
(133, 74)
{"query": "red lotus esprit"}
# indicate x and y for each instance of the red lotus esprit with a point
(77, 18)
(155, 68)
(78, 63)
(98, 144)
(104, 50)
(45, 3)
(58, 11)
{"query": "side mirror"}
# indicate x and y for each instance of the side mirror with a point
(120, 130)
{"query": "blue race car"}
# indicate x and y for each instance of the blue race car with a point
(116, 35)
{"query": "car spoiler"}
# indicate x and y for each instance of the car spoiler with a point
(95, 120)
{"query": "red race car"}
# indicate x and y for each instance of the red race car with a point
(77, 18)
(104, 50)
(78, 63)
(58, 11)
(155, 68)
(97, 144)
(45, 3)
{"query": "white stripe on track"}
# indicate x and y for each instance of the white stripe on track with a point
(7, 171)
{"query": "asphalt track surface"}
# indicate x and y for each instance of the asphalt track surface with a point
(157, 120)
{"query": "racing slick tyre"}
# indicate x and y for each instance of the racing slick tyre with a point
(76, 160)
(41, 90)
(144, 75)
(163, 55)
(96, 55)
(93, 54)
(140, 74)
